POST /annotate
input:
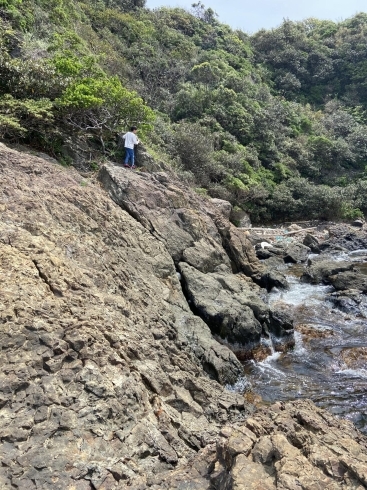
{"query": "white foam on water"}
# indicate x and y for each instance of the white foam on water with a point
(353, 373)
(266, 364)
(299, 348)
(300, 294)
(358, 253)
(268, 343)
(240, 386)
(340, 257)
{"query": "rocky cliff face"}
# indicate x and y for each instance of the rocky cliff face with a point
(220, 273)
(110, 376)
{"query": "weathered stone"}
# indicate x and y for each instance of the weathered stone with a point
(108, 379)
(281, 326)
(226, 304)
(349, 280)
(320, 269)
(350, 301)
(240, 218)
(296, 252)
(312, 242)
(224, 207)
(87, 290)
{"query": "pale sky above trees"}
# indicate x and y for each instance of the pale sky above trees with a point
(252, 15)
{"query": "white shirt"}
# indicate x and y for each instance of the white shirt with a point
(130, 140)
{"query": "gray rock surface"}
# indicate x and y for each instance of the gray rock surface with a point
(107, 377)
(293, 252)
(312, 242)
(195, 232)
(296, 253)
(350, 301)
(322, 268)
(349, 280)
(224, 207)
(228, 304)
(346, 238)
(282, 327)
(108, 380)
(240, 218)
(286, 447)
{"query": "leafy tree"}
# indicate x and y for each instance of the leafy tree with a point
(102, 107)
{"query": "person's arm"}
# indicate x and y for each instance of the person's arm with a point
(136, 140)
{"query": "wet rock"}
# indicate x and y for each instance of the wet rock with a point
(322, 269)
(354, 357)
(312, 242)
(345, 280)
(350, 301)
(310, 332)
(296, 253)
(274, 279)
(281, 325)
(226, 303)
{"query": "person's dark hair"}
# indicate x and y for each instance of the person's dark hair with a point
(133, 128)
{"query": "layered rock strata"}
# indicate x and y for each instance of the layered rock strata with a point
(104, 365)
(286, 446)
(221, 275)
(109, 379)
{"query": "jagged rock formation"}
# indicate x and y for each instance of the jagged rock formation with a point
(205, 247)
(97, 340)
(108, 379)
(345, 276)
(286, 446)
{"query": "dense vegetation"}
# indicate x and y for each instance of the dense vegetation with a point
(275, 123)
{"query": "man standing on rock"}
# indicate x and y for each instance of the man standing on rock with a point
(131, 140)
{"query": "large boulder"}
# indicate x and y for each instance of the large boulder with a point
(349, 280)
(223, 206)
(227, 303)
(312, 242)
(193, 229)
(281, 326)
(240, 218)
(241, 253)
(321, 269)
(290, 252)
(296, 253)
(350, 301)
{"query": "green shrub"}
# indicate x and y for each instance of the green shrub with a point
(27, 117)
(102, 106)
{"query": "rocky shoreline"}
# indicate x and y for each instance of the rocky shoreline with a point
(115, 293)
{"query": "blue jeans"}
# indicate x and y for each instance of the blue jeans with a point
(129, 155)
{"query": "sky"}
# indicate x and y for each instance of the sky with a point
(252, 15)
